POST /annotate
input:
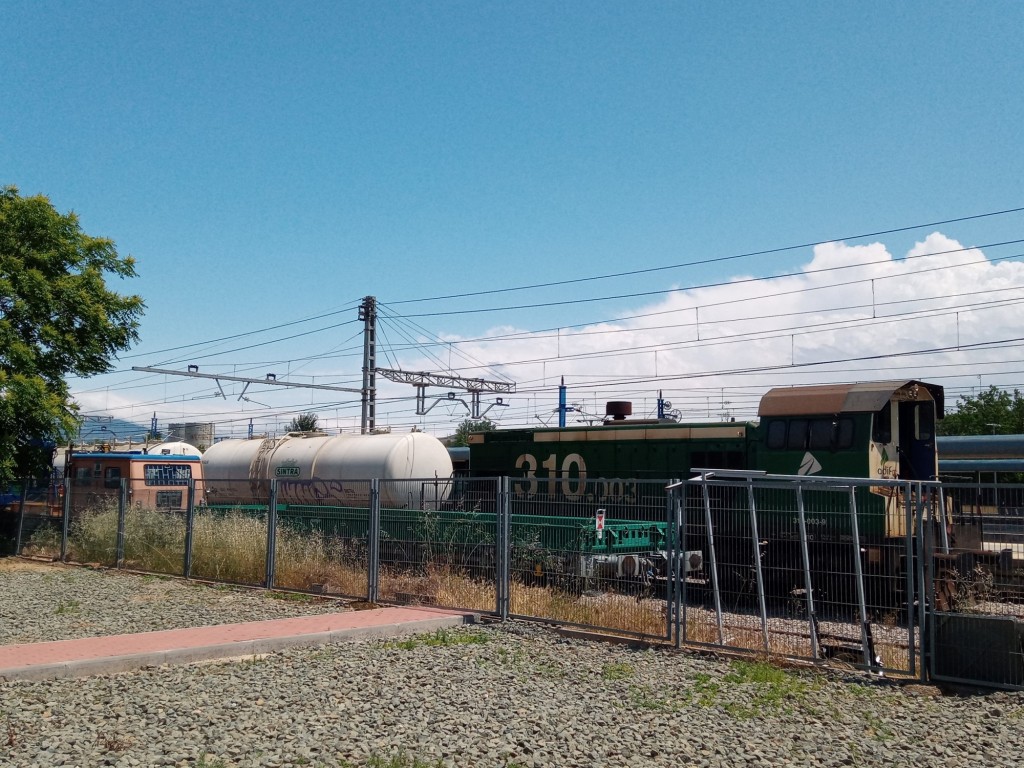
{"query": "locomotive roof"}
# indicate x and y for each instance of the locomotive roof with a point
(830, 399)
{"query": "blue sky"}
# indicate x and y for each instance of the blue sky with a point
(267, 162)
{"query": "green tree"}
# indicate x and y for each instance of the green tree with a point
(992, 411)
(304, 422)
(57, 318)
(461, 436)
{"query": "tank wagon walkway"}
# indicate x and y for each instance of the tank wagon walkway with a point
(121, 653)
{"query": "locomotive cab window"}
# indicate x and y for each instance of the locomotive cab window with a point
(776, 435)
(924, 418)
(881, 431)
(812, 434)
(831, 434)
(797, 439)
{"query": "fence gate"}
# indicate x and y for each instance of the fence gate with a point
(815, 568)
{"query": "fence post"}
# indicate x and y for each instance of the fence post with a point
(808, 586)
(499, 548)
(503, 588)
(711, 556)
(65, 520)
(756, 541)
(942, 518)
(373, 545)
(122, 513)
(903, 491)
(923, 577)
(21, 516)
(268, 579)
(859, 575)
(675, 595)
(190, 521)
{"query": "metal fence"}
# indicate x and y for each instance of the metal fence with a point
(917, 579)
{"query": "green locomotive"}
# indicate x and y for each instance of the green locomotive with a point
(883, 430)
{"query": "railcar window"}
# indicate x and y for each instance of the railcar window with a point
(167, 474)
(168, 499)
(797, 435)
(112, 477)
(881, 431)
(777, 435)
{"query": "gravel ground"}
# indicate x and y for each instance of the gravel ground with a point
(497, 695)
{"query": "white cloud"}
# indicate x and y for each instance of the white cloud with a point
(846, 304)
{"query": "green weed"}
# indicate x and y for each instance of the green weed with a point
(442, 637)
(66, 607)
(876, 727)
(774, 688)
(401, 761)
(617, 671)
(705, 690)
(643, 697)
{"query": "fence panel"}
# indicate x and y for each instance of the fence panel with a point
(322, 537)
(32, 519)
(438, 542)
(590, 552)
(154, 537)
(229, 538)
(94, 510)
(976, 622)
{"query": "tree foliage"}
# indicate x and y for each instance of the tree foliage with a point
(461, 436)
(57, 318)
(992, 411)
(304, 422)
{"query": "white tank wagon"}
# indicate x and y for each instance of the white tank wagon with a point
(340, 467)
(177, 448)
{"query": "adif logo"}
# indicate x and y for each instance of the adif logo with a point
(809, 465)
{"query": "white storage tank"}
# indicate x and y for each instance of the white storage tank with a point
(237, 470)
(194, 433)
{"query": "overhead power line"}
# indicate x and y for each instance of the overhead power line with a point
(713, 260)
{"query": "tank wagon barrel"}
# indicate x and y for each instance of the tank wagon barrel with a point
(238, 471)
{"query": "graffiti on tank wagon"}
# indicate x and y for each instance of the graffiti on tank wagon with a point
(316, 491)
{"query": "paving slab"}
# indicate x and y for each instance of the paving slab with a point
(121, 653)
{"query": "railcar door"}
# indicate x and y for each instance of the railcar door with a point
(917, 440)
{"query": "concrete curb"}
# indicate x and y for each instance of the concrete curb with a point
(109, 665)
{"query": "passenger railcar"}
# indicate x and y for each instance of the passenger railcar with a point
(154, 481)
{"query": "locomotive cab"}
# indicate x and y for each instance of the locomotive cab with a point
(882, 430)
(877, 429)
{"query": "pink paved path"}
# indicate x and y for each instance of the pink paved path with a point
(118, 653)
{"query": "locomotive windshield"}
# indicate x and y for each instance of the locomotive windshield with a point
(882, 429)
